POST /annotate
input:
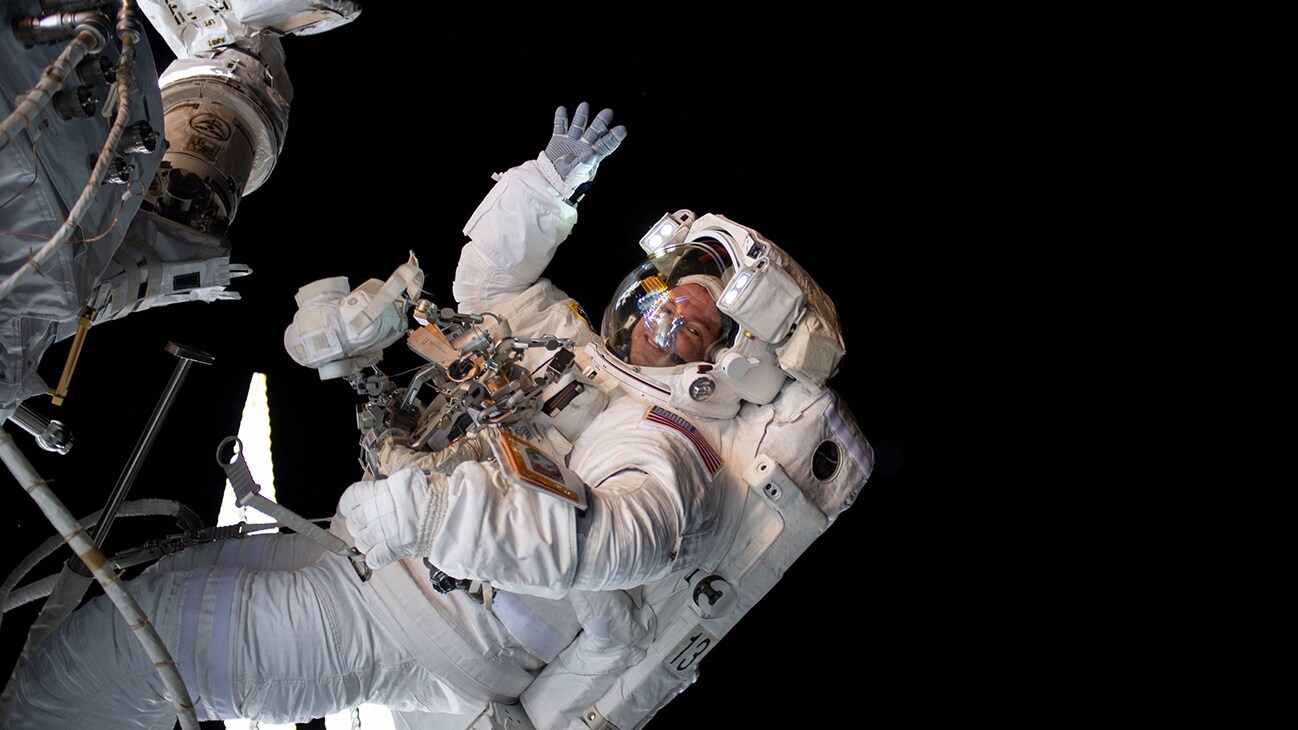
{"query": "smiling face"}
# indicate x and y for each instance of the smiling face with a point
(683, 323)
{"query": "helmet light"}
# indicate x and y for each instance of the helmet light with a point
(737, 286)
(671, 228)
(765, 300)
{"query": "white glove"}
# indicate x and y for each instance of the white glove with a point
(571, 159)
(391, 518)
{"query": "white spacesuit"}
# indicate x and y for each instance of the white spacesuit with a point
(706, 382)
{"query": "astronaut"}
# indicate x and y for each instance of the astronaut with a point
(557, 588)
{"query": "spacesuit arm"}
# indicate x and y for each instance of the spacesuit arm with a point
(476, 524)
(513, 235)
(473, 523)
(525, 541)
(515, 230)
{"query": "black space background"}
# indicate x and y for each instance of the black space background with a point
(1038, 224)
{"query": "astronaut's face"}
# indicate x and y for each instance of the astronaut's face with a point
(680, 327)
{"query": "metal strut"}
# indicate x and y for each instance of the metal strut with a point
(188, 356)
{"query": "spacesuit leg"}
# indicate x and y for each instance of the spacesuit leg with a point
(92, 673)
(272, 645)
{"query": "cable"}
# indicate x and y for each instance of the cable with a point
(125, 80)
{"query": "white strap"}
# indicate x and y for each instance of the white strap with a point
(125, 295)
(153, 289)
(527, 626)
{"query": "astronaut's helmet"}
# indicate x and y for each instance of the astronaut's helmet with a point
(664, 313)
(715, 315)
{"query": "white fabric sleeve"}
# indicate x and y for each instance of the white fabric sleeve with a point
(483, 527)
(513, 235)
(631, 533)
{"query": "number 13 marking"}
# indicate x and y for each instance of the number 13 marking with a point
(690, 651)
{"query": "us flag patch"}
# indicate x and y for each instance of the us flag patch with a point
(707, 456)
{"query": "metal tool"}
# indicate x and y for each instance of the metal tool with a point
(50, 434)
(188, 356)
